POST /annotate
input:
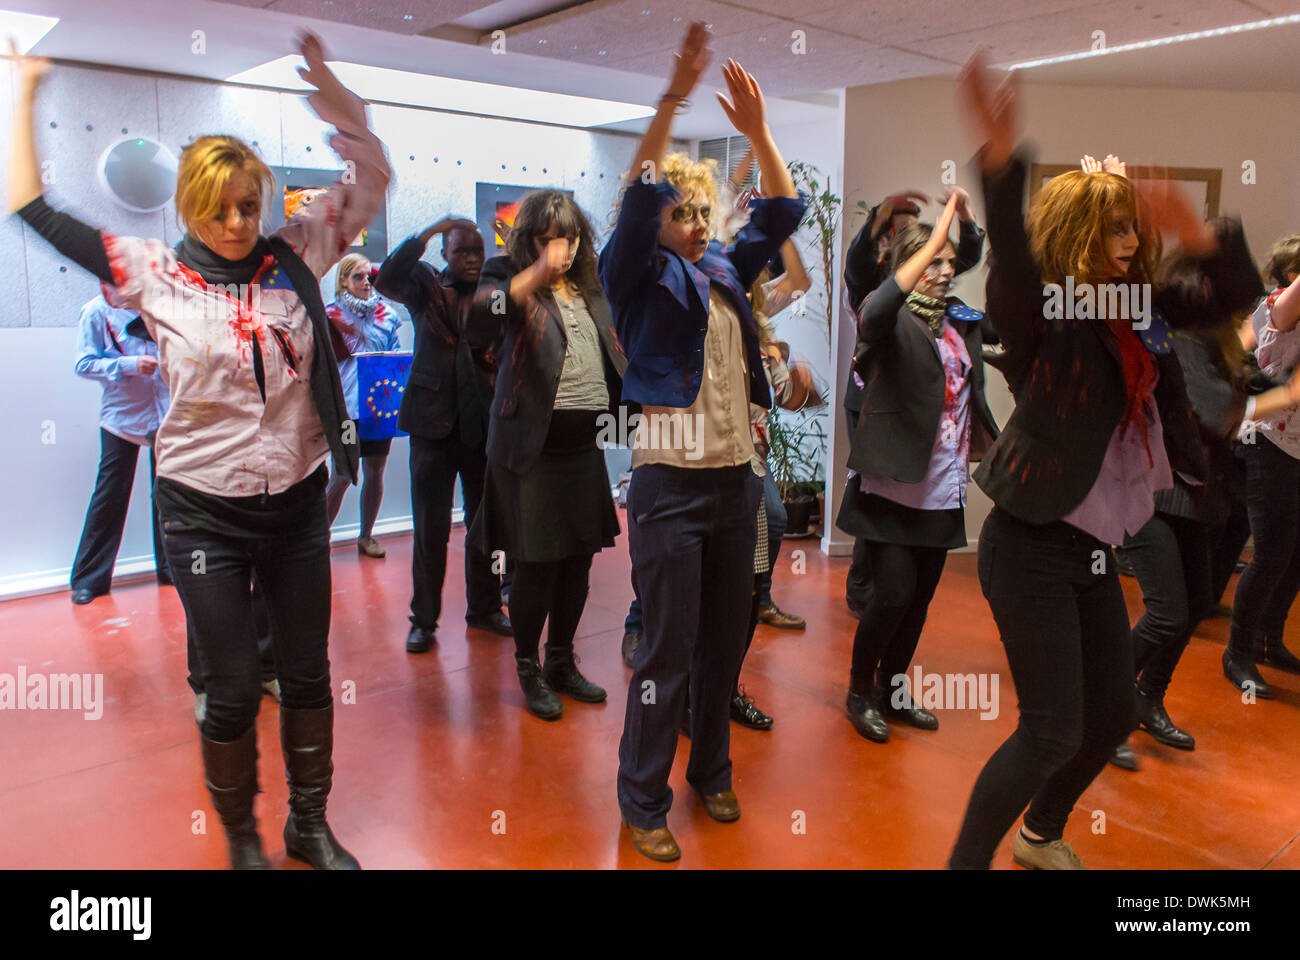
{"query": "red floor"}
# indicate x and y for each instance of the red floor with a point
(437, 747)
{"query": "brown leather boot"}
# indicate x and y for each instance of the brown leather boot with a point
(655, 844)
(723, 807)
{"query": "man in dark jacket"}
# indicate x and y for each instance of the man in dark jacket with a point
(445, 410)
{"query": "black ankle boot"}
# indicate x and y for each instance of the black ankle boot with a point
(866, 717)
(230, 771)
(307, 740)
(562, 675)
(538, 695)
(1245, 675)
(910, 713)
(1153, 718)
(1277, 655)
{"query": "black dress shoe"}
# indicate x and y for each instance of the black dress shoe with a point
(419, 640)
(866, 717)
(910, 713)
(538, 695)
(82, 597)
(746, 714)
(562, 675)
(496, 623)
(1277, 655)
(1245, 676)
(630, 642)
(1124, 757)
(1154, 719)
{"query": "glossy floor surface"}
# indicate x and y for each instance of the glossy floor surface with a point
(438, 764)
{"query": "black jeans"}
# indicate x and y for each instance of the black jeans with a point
(1228, 542)
(691, 535)
(101, 536)
(435, 464)
(903, 583)
(265, 645)
(214, 577)
(1171, 558)
(1269, 584)
(557, 591)
(1066, 633)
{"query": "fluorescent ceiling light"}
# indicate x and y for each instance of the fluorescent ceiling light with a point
(445, 93)
(1161, 41)
(26, 28)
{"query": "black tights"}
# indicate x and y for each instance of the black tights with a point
(903, 581)
(557, 589)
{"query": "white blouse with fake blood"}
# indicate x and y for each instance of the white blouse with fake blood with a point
(219, 436)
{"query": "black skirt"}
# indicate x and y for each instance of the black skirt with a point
(879, 519)
(562, 507)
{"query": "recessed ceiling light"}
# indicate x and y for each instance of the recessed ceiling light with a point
(446, 93)
(1160, 41)
(27, 29)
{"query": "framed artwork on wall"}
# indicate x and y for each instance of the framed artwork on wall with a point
(1200, 183)
(499, 202)
(297, 186)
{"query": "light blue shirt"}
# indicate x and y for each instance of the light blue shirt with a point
(133, 403)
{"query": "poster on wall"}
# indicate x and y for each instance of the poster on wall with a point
(495, 207)
(296, 187)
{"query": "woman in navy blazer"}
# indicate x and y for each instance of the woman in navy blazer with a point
(694, 364)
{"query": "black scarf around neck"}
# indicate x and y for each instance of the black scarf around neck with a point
(217, 269)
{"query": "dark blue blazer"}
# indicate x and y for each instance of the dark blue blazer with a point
(661, 301)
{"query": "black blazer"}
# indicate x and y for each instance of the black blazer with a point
(531, 360)
(902, 402)
(436, 397)
(863, 273)
(1067, 376)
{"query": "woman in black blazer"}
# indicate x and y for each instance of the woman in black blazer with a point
(1101, 422)
(546, 498)
(924, 416)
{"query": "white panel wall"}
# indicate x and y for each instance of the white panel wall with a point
(43, 494)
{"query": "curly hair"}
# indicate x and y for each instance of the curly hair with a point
(536, 214)
(1070, 219)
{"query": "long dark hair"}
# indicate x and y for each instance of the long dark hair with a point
(536, 214)
(1180, 271)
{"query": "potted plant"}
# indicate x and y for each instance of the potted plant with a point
(796, 454)
(822, 215)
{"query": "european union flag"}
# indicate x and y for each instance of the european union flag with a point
(277, 279)
(381, 381)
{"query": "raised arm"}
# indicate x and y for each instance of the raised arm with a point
(399, 274)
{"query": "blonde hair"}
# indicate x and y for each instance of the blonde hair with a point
(1070, 219)
(694, 177)
(206, 166)
(347, 265)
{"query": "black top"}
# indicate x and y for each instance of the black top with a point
(1067, 376)
(902, 402)
(182, 507)
(532, 359)
(450, 384)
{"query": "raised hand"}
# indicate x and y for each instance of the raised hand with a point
(964, 211)
(333, 102)
(993, 114)
(1090, 164)
(690, 61)
(746, 110)
(1164, 207)
(1113, 164)
(741, 173)
(31, 70)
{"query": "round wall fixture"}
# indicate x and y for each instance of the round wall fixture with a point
(138, 173)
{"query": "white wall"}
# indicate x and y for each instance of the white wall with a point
(436, 157)
(898, 135)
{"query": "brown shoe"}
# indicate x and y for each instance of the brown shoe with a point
(655, 844)
(370, 547)
(774, 616)
(723, 807)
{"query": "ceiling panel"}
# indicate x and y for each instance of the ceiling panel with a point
(607, 32)
(394, 16)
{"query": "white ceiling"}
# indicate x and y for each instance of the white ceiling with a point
(621, 49)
